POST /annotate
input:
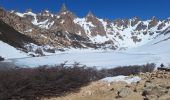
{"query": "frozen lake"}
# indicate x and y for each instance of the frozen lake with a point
(100, 59)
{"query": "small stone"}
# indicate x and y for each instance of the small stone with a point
(112, 89)
(124, 92)
(149, 85)
(152, 97)
(164, 97)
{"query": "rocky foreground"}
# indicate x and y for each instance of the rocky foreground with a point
(153, 86)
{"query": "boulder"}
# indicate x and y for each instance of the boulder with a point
(156, 91)
(1, 59)
(164, 97)
(124, 92)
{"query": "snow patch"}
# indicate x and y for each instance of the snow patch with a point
(99, 39)
(122, 78)
(29, 30)
(62, 21)
(32, 48)
(19, 14)
(44, 24)
(8, 51)
(83, 23)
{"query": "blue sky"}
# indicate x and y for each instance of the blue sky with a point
(110, 9)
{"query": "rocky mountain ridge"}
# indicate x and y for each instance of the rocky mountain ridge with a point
(66, 30)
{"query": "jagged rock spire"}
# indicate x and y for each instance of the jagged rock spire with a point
(45, 12)
(90, 14)
(2, 12)
(136, 18)
(153, 22)
(154, 18)
(29, 10)
(63, 8)
(1, 7)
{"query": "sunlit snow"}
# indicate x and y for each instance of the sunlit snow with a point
(122, 78)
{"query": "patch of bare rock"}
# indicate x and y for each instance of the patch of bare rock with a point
(153, 86)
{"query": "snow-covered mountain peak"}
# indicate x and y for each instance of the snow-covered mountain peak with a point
(65, 29)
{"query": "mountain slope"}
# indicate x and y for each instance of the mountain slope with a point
(158, 44)
(13, 37)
